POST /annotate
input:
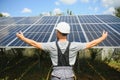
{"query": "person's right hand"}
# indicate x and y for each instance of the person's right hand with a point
(20, 35)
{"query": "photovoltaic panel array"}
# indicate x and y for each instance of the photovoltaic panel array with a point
(84, 28)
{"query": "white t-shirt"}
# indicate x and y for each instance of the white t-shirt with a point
(52, 49)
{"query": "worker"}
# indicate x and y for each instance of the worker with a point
(62, 52)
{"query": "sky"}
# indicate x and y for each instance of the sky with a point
(18, 8)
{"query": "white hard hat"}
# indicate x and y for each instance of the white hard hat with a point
(63, 27)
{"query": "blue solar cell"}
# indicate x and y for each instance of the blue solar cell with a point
(2, 36)
(53, 37)
(70, 37)
(75, 27)
(68, 19)
(116, 27)
(4, 18)
(28, 20)
(7, 39)
(14, 28)
(82, 37)
(77, 37)
(40, 37)
(11, 20)
(109, 18)
(8, 33)
(40, 28)
(48, 20)
(40, 33)
(88, 19)
(2, 27)
(17, 42)
(94, 31)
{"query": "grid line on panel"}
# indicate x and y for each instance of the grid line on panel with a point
(78, 33)
(53, 31)
(4, 18)
(82, 30)
(114, 40)
(46, 34)
(116, 27)
(88, 32)
(72, 33)
(28, 20)
(89, 19)
(33, 30)
(11, 20)
(11, 30)
(48, 20)
(99, 29)
(68, 19)
(107, 25)
(11, 24)
(94, 32)
(109, 18)
(113, 36)
(23, 32)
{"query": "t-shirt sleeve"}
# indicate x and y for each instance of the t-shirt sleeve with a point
(78, 46)
(82, 45)
(47, 46)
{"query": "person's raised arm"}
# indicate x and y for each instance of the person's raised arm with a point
(29, 41)
(97, 41)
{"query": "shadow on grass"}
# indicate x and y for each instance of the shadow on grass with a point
(95, 70)
(24, 68)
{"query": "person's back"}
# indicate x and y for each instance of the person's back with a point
(62, 52)
(51, 47)
(63, 70)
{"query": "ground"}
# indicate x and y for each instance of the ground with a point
(35, 68)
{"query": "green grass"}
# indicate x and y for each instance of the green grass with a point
(115, 65)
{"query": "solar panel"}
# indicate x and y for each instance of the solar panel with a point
(93, 31)
(10, 20)
(109, 18)
(88, 19)
(68, 19)
(84, 28)
(28, 20)
(115, 26)
(48, 20)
